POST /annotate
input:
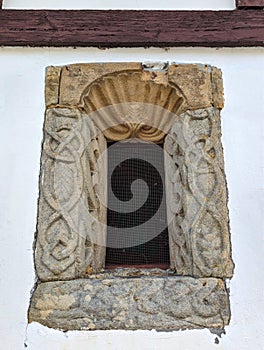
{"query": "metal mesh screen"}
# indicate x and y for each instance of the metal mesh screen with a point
(138, 237)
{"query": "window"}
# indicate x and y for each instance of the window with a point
(141, 246)
(95, 111)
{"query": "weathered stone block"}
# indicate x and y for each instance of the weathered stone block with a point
(201, 85)
(194, 81)
(161, 303)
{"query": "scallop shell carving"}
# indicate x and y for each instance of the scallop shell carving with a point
(125, 106)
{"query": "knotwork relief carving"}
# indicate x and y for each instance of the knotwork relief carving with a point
(196, 196)
(70, 182)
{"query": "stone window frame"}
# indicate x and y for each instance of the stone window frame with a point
(73, 290)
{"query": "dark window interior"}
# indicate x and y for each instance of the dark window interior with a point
(138, 238)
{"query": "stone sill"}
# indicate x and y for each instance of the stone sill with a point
(103, 303)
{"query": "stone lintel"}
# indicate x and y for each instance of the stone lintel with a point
(161, 303)
(201, 85)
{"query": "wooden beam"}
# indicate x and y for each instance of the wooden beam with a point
(249, 3)
(131, 28)
(1, 4)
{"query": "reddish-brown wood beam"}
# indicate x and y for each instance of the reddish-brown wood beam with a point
(1, 3)
(249, 3)
(131, 28)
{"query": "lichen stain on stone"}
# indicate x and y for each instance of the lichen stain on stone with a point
(45, 313)
(63, 302)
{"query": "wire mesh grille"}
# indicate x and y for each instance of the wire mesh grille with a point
(136, 161)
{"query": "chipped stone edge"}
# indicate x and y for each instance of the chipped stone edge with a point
(52, 85)
(218, 100)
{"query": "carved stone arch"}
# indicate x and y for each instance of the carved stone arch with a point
(128, 104)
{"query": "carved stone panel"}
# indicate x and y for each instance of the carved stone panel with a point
(89, 105)
(197, 197)
(71, 197)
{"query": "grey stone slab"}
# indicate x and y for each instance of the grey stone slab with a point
(161, 303)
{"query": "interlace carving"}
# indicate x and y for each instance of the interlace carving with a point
(196, 196)
(71, 145)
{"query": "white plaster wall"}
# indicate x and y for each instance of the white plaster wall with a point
(120, 4)
(21, 113)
